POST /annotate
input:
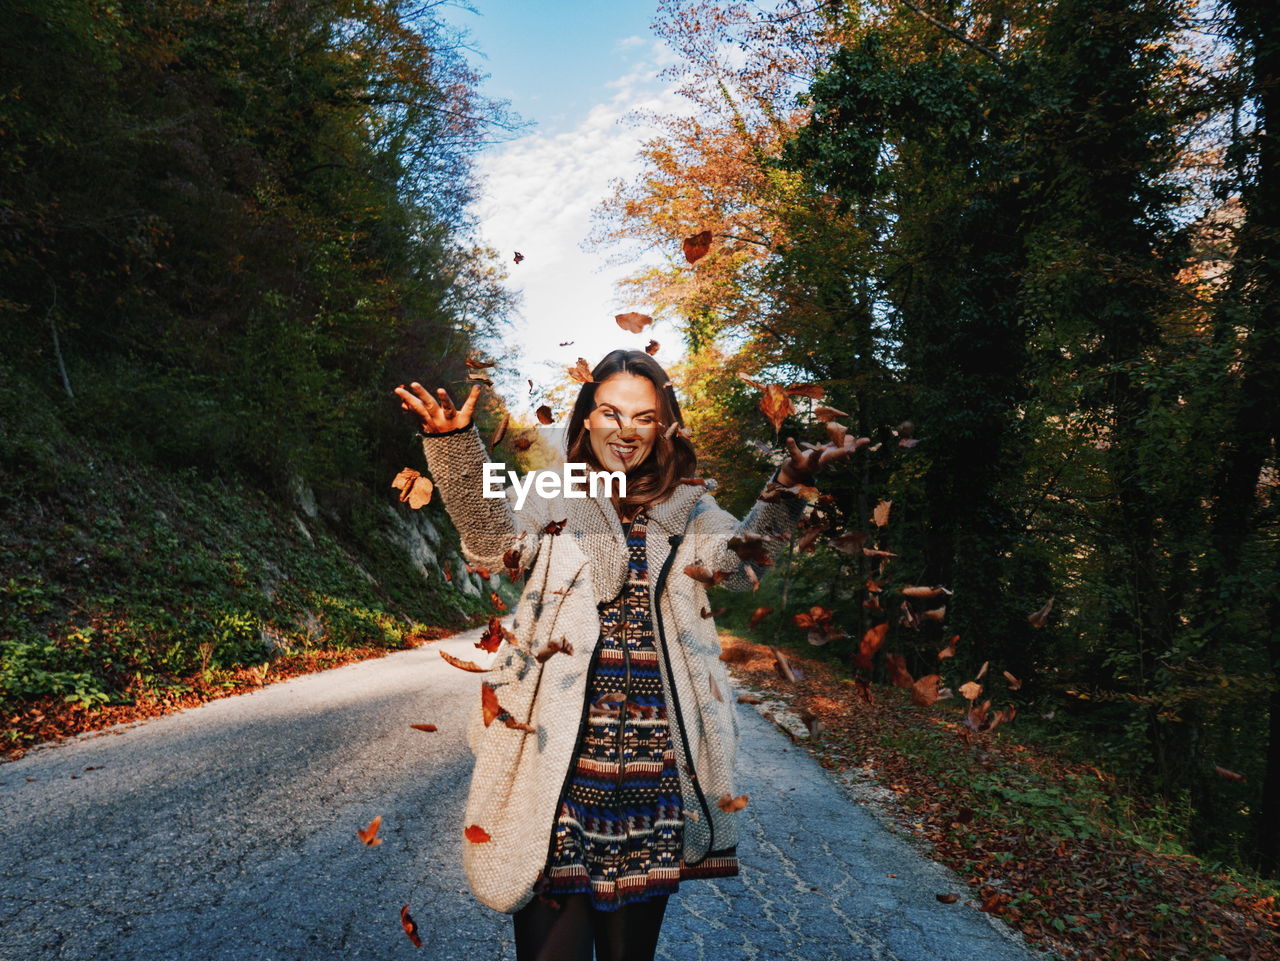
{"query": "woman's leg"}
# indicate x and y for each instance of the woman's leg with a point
(544, 933)
(631, 932)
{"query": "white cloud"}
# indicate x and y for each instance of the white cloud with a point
(539, 194)
(626, 43)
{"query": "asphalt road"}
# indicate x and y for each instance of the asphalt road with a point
(227, 831)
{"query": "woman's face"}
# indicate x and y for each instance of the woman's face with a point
(624, 425)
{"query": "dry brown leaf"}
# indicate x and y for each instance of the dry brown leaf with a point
(632, 321)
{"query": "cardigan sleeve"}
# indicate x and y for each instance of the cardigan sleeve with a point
(487, 526)
(712, 527)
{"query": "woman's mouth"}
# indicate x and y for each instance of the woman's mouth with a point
(624, 452)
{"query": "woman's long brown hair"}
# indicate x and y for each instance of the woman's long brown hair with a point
(671, 457)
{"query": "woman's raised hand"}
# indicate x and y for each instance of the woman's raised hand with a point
(437, 413)
(802, 464)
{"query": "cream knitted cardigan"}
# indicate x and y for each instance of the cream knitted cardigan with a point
(705, 727)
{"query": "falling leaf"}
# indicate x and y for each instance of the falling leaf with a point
(554, 647)
(704, 576)
(751, 547)
(1014, 683)
(785, 669)
(982, 671)
(775, 405)
(850, 542)
(476, 834)
(501, 432)
(715, 688)
(706, 613)
(651, 348)
(565, 343)
(731, 804)
(581, 372)
(369, 835)
(917, 591)
(423, 727)
(497, 601)
(483, 572)
(812, 391)
(924, 691)
(812, 722)
(947, 898)
(554, 527)
(828, 413)
(933, 614)
(748, 699)
(413, 487)
(465, 665)
(479, 364)
(632, 321)
(544, 415)
(406, 920)
(492, 637)
(899, 676)
(872, 641)
(873, 552)
(1039, 618)
(448, 571)
(1222, 772)
(522, 443)
(759, 615)
(518, 257)
(950, 649)
(880, 515)
(970, 690)
(696, 246)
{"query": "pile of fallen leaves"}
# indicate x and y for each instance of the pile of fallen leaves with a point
(49, 719)
(1091, 894)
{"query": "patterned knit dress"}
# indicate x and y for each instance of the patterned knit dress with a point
(619, 834)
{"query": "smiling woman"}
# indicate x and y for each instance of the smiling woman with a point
(604, 773)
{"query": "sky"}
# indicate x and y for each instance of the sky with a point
(573, 69)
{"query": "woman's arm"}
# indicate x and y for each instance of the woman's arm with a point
(487, 526)
(712, 527)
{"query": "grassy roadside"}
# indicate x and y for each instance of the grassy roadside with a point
(1059, 850)
(127, 591)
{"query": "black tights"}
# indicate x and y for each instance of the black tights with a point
(567, 933)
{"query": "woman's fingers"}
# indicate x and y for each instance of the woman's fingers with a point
(469, 404)
(446, 403)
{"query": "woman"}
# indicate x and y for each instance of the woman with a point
(638, 809)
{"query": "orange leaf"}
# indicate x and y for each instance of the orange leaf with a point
(1222, 772)
(632, 321)
(925, 690)
(413, 487)
(423, 727)
(476, 834)
(759, 615)
(696, 246)
(406, 920)
(489, 703)
(544, 415)
(970, 690)
(1014, 683)
(950, 649)
(465, 665)
(581, 372)
(731, 804)
(369, 835)
(704, 576)
(899, 676)
(948, 898)
(651, 348)
(1040, 617)
(872, 641)
(880, 516)
(501, 432)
